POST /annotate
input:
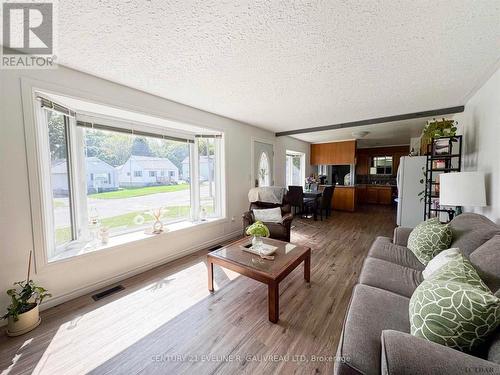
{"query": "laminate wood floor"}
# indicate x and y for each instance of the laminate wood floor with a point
(166, 322)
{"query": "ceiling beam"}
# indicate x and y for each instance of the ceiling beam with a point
(378, 120)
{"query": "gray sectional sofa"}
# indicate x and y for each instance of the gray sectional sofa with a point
(376, 333)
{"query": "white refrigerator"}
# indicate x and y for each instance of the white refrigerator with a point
(410, 206)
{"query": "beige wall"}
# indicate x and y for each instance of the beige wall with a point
(85, 273)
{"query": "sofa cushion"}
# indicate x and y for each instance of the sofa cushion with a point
(390, 276)
(383, 248)
(406, 354)
(439, 261)
(371, 311)
(493, 344)
(454, 307)
(268, 215)
(428, 239)
(486, 260)
(471, 230)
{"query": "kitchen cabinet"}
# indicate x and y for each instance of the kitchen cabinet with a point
(334, 153)
(344, 198)
(361, 194)
(378, 194)
(385, 195)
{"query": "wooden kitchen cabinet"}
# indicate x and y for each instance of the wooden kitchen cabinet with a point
(361, 194)
(334, 153)
(372, 195)
(362, 164)
(379, 194)
(344, 198)
(385, 195)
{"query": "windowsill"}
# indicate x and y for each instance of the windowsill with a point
(128, 238)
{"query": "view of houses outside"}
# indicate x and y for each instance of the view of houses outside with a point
(127, 176)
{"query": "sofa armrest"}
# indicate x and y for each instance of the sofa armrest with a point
(287, 219)
(401, 235)
(403, 353)
(248, 220)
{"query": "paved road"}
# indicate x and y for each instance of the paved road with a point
(115, 207)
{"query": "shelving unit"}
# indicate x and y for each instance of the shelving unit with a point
(448, 152)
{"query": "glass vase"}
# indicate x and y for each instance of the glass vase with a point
(257, 243)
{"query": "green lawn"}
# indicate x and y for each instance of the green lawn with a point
(137, 192)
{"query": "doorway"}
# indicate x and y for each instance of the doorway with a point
(263, 163)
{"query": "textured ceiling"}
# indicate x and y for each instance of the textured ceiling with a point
(284, 65)
(389, 133)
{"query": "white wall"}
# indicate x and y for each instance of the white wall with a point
(480, 126)
(79, 275)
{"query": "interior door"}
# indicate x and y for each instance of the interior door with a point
(263, 163)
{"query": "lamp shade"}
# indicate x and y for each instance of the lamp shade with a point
(462, 189)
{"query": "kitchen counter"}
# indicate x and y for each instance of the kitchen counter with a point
(344, 197)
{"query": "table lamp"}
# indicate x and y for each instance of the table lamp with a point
(462, 189)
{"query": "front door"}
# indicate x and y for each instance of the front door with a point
(263, 164)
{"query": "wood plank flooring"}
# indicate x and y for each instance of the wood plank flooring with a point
(166, 322)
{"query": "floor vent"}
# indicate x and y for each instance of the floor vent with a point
(107, 292)
(216, 247)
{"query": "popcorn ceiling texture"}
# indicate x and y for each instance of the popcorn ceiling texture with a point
(285, 65)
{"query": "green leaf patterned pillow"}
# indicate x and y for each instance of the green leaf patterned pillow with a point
(428, 239)
(454, 307)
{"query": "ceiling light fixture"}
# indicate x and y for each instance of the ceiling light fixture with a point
(360, 134)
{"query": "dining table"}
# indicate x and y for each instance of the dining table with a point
(316, 195)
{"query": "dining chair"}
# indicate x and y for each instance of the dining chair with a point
(325, 203)
(297, 200)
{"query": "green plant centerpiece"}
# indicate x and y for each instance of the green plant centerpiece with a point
(439, 128)
(257, 230)
(23, 313)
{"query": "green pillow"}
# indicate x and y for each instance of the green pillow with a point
(428, 239)
(454, 307)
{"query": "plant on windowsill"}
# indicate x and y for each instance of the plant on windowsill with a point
(23, 313)
(257, 230)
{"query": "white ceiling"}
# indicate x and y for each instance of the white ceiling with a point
(386, 134)
(284, 65)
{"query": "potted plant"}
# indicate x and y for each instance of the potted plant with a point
(257, 230)
(23, 313)
(438, 128)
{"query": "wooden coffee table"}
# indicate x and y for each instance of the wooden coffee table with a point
(286, 258)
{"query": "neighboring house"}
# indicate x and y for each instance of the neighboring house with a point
(100, 176)
(146, 171)
(206, 168)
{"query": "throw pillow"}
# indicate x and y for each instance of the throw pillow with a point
(268, 215)
(428, 239)
(439, 261)
(454, 307)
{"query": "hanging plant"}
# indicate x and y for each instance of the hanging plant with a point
(439, 128)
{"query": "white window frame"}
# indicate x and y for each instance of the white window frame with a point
(42, 211)
(302, 155)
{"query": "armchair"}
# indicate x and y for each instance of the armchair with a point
(278, 231)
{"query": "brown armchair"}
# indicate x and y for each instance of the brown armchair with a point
(278, 231)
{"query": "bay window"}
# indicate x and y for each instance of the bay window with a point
(103, 178)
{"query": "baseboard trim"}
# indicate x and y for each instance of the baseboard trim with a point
(125, 275)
